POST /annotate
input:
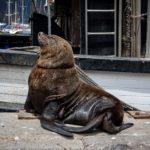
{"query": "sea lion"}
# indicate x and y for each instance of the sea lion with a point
(57, 93)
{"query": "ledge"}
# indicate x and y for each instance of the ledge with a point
(141, 65)
(15, 57)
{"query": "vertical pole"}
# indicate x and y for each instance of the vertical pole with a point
(120, 30)
(148, 32)
(133, 28)
(32, 7)
(49, 16)
(15, 11)
(86, 27)
(35, 3)
(40, 10)
(9, 12)
(22, 11)
(138, 29)
(126, 41)
(115, 31)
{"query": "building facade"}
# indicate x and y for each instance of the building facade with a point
(118, 28)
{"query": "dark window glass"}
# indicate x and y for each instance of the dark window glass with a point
(100, 22)
(101, 44)
(99, 4)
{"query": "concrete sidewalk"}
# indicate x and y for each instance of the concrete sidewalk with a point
(28, 135)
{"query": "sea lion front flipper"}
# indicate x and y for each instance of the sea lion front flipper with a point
(92, 124)
(28, 105)
(49, 117)
(51, 126)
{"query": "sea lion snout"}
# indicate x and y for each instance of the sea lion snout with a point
(40, 33)
(55, 52)
(45, 40)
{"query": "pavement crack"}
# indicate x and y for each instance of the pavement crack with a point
(83, 143)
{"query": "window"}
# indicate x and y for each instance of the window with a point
(100, 27)
(115, 28)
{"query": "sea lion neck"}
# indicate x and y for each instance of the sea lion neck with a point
(56, 52)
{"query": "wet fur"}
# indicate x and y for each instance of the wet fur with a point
(56, 92)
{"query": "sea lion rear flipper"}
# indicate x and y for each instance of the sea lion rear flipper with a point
(125, 126)
(111, 128)
(92, 124)
(53, 127)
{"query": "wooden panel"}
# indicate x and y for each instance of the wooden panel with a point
(69, 12)
(75, 23)
(25, 115)
(139, 114)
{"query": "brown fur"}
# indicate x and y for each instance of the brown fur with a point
(53, 74)
(56, 92)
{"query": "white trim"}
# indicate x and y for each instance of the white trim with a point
(101, 10)
(148, 32)
(101, 33)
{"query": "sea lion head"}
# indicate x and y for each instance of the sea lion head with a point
(55, 52)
